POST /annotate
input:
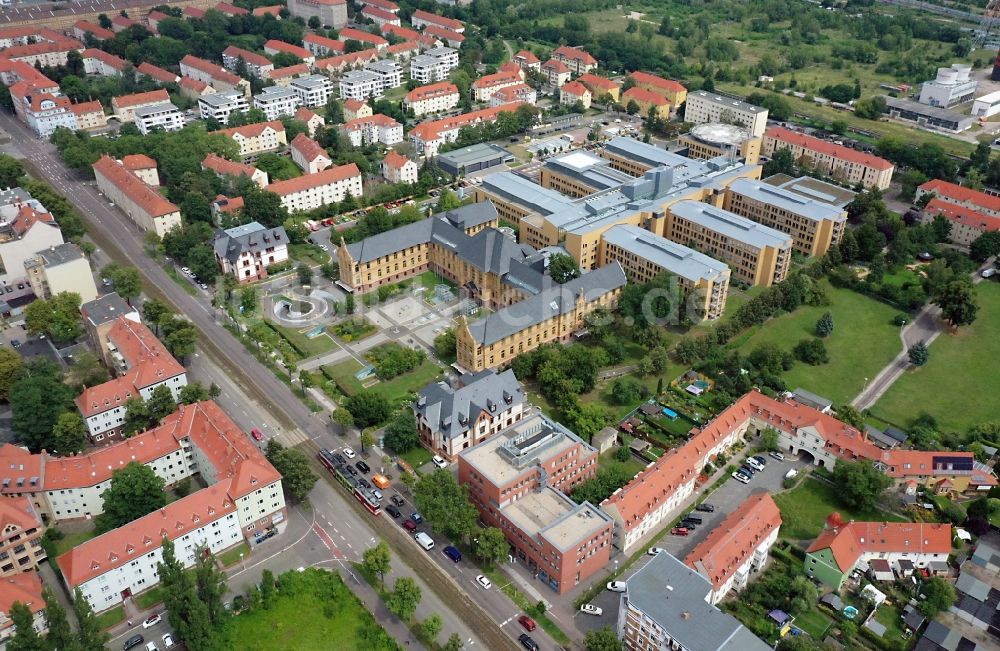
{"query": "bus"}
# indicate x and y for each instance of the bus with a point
(367, 499)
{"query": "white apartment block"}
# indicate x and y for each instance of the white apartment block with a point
(516, 93)
(44, 113)
(219, 106)
(159, 116)
(389, 71)
(313, 90)
(702, 106)
(25, 228)
(277, 102)
(397, 168)
(433, 65)
(257, 65)
(434, 98)
(377, 128)
(360, 85)
(314, 190)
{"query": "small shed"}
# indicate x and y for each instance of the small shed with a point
(833, 601)
(897, 434)
(638, 446)
(873, 594)
(605, 439)
(880, 570)
(810, 399)
(649, 409)
(912, 618)
(875, 627)
(905, 567)
(779, 617)
(937, 568)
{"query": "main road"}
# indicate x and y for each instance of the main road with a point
(122, 240)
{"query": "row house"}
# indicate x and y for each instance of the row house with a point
(518, 93)
(321, 46)
(256, 65)
(274, 47)
(674, 92)
(397, 168)
(82, 28)
(380, 16)
(124, 107)
(433, 98)
(600, 87)
(219, 106)
(578, 60)
(257, 138)
(309, 192)
(447, 36)
(245, 252)
(308, 155)
(277, 102)
(223, 167)
(150, 210)
(402, 52)
(46, 54)
(428, 137)
(350, 34)
(340, 63)
(421, 18)
(156, 73)
(210, 73)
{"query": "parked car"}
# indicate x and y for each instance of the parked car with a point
(616, 586)
(364, 482)
(410, 525)
(152, 621)
(679, 531)
(691, 517)
(349, 453)
(416, 517)
(151, 646)
(761, 460)
(339, 458)
(377, 493)
(439, 461)
(527, 642)
(483, 581)
(591, 609)
(526, 622)
(777, 455)
(168, 640)
(747, 470)
(705, 507)
(653, 551)
(351, 470)
(257, 434)
(363, 467)
(393, 511)
(740, 477)
(397, 500)
(453, 553)
(754, 464)
(133, 641)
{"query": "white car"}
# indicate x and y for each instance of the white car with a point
(152, 621)
(740, 477)
(483, 581)
(653, 551)
(591, 609)
(324, 247)
(439, 461)
(349, 453)
(777, 455)
(168, 640)
(185, 271)
(617, 586)
(151, 646)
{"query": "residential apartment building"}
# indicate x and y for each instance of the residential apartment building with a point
(101, 63)
(24, 588)
(211, 73)
(702, 106)
(519, 480)
(258, 137)
(193, 88)
(428, 137)
(421, 18)
(311, 119)
(219, 106)
(314, 190)
(574, 92)
(157, 73)
(377, 128)
(159, 117)
(284, 76)
(245, 252)
(397, 168)
(21, 530)
(360, 85)
(42, 111)
(389, 71)
(44, 53)
(144, 205)
(479, 406)
(447, 36)
(756, 254)
(384, 5)
(224, 167)
(101, 314)
(578, 60)
(380, 16)
(26, 227)
(518, 93)
(403, 52)
(274, 47)
(897, 547)
(737, 547)
(556, 73)
(525, 59)
(89, 115)
(434, 65)
(331, 13)
(308, 155)
(313, 90)
(142, 166)
(647, 101)
(321, 46)
(600, 87)
(244, 501)
(967, 225)
(703, 281)
(667, 605)
(350, 34)
(277, 102)
(83, 27)
(338, 65)
(672, 91)
(356, 108)
(433, 98)
(814, 225)
(842, 163)
(58, 269)
(484, 87)
(141, 364)
(256, 65)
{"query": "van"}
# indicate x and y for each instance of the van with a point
(424, 541)
(988, 273)
(381, 481)
(691, 517)
(453, 553)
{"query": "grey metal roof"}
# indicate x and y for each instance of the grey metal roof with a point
(14, 195)
(446, 407)
(555, 300)
(816, 189)
(810, 399)
(591, 170)
(384, 66)
(252, 237)
(642, 152)
(730, 224)
(312, 81)
(675, 258)
(155, 108)
(929, 111)
(526, 193)
(441, 51)
(272, 93)
(219, 100)
(673, 595)
(359, 76)
(474, 154)
(727, 102)
(61, 254)
(793, 202)
(470, 215)
(105, 309)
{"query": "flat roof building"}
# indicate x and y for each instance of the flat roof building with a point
(931, 117)
(474, 158)
(713, 139)
(702, 106)
(580, 173)
(813, 188)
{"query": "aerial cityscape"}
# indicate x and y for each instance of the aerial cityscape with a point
(482, 324)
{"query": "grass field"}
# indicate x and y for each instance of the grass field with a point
(607, 460)
(306, 346)
(805, 508)
(814, 622)
(312, 610)
(863, 341)
(111, 617)
(417, 457)
(308, 253)
(233, 555)
(149, 598)
(395, 389)
(951, 385)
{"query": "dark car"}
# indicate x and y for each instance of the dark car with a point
(453, 553)
(133, 641)
(705, 507)
(761, 460)
(416, 517)
(351, 470)
(527, 642)
(410, 525)
(747, 470)
(691, 517)
(363, 467)
(364, 482)
(393, 511)
(397, 500)
(690, 526)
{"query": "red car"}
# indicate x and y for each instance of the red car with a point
(257, 434)
(679, 531)
(410, 525)
(526, 622)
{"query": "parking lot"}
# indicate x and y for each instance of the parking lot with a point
(725, 500)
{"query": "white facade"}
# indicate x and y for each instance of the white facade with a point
(389, 71)
(20, 248)
(219, 106)
(702, 106)
(431, 100)
(740, 577)
(277, 102)
(113, 418)
(160, 116)
(360, 85)
(315, 190)
(408, 172)
(378, 128)
(314, 90)
(986, 105)
(433, 65)
(48, 114)
(952, 86)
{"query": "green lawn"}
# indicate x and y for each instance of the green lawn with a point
(313, 610)
(417, 457)
(111, 617)
(71, 540)
(889, 616)
(951, 385)
(805, 508)
(814, 622)
(608, 460)
(863, 341)
(149, 598)
(308, 253)
(395, 390)
(233, 555)
(305, 346)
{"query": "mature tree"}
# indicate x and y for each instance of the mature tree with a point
(180, 337)
(267, 589)
(602, 639)
(958, 302)
(851, 416)
(25, 638)
(304, 273)
(919, 353)
(11, 369)
(782, 162)
(127, 280)
(60, 635)
(87, 370)
(344, 418)
(189, 615)
(192, 393)
(404, 598)
(135, 491)
(91, 635)
(563, 268)
(812, 352)
(248, 300)
(377, 560)
(69, 435)
(445, 344)
(954, 511)
(985, 246)
(330, 271)
(939, 596)
(37, 399)
(447, 201)
(401, 433)
(155, 311)
(369, 408)
(824, 327)
(297, 478)
(431, 627)
(492, 547)
(137, 417)
(210, 584)
(768, 440)
(161, 403)
(263, 206)
(445, 504)
(587, 419)
(58, 317)
(11, 171)
(454, 643)
(859, 484)
(627, 391)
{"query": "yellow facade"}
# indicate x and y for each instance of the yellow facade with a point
(567, 185)
(810, 237)
(749, 149)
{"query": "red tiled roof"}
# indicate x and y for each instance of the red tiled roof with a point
(25, 219)
(295, 50)
(387, 5)
(228, 204)
(735, 539)
(226, 167)
(24, 71)
(17, 512)
(947, 190)
(575, 54)
(157, 73)
(666, 85)
(431, 130)
(138, 162)
(849, 541)
(96, 31)
(405, 46)
(191, 83)
(231, 10)
(962, 215)
(556, 65)
(193, 12)
(329, 43)
(643, 96)
(430, 90)
(23, 587)
(19, 466)
(156, 16)
(308, 148)
(377, 119)
(378, 12)
(137, 99)
(33, 94)
(271, 10)
(512, 93)
(444, 33)
(326, 177)
(250, 57)
(450, 23)
(87, 107)
(25, 31)
(146, 197)
(574, 88)
(61, 44)
(109, 59)
(305, 114)
(123, 21)
(395, 160)
(496, 79)
(349, 59)
(252, 130)
(350, 34)
(402, 32)
(511, 67)
(829, 148)
(216, 71)
(527, 56)
(289, 71)
(593, 81)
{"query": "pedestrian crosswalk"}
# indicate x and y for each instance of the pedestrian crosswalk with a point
(291, 437)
